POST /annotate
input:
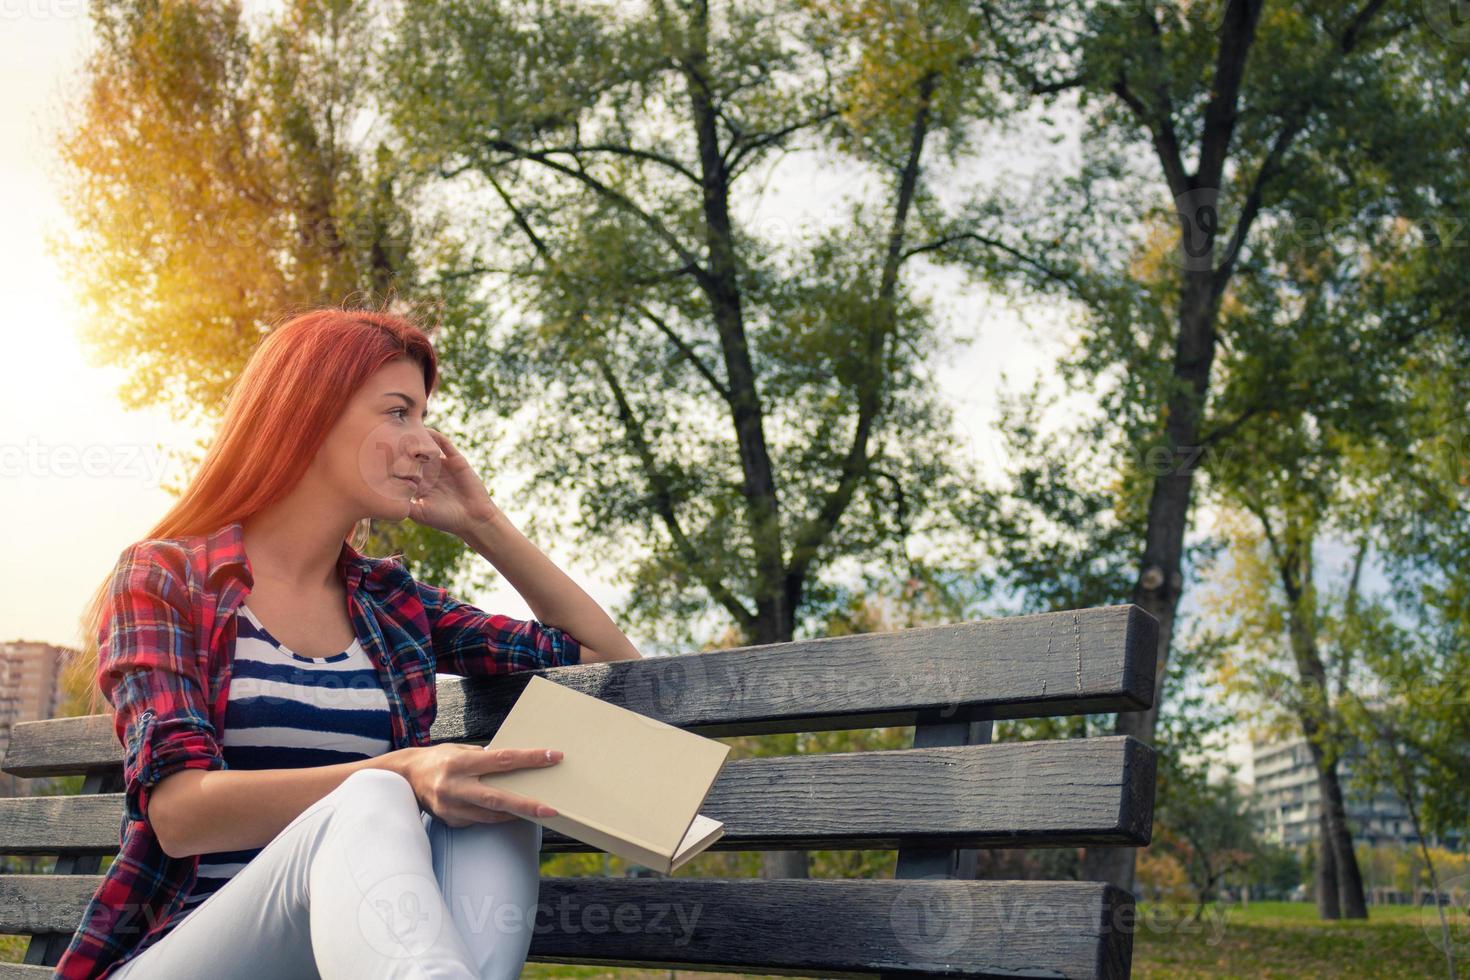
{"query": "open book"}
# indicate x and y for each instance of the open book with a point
(628, 784)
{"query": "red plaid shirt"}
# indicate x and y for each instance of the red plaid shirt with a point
(165, 649)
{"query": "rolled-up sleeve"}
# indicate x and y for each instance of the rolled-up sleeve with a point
(150, 671)
(471, 642)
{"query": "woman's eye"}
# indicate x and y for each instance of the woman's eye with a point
(403, 410)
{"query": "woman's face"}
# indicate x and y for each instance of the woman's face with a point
(379, 440)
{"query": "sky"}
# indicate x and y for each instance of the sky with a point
(81, 478)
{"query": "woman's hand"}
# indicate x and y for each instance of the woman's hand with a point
(443, 779)
(452, 498)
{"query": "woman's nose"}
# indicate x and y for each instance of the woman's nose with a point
(423, 447)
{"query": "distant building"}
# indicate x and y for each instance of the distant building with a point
(1288, 804)
(29, 691)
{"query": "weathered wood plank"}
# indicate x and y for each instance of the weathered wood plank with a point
(1050, 793)
(1075, 662)
(48, 948)
(19, 971)
(795, 927)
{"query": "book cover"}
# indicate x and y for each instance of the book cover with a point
(628, 784)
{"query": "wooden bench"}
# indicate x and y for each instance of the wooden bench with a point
(953, 791)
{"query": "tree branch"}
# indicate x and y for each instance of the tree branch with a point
(1272, 164)
(1161, 130)
(1237, 34)
(663, 501)
(810, 537)
(996, 244)
(660, 277)
(688, 352)
(623, 151)
(1001, 37)
(1252, 206)
(615, 196)
(746, 145)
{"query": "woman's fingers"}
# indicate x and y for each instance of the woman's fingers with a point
(495, 799)
(477, 802)
(495, 806)
(499, 760)
(445, 445)
(480, 758)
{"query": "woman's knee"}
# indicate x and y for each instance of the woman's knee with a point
(382, 791)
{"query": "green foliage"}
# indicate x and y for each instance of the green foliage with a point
(1275, 870)
(1414, 724)
(1405, 868)
(1205, 823)
(739, 405)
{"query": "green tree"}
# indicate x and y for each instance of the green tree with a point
(213, 181)
(1207, 826)
(743, 408)
(1416, 735)
(1275, 871)
(1281, 618)
(1202, 819)
(1236, 121)
(1410, 710)
(1351, 315)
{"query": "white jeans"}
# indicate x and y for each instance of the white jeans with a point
(364, 885)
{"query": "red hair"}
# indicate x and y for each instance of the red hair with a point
(293, 389)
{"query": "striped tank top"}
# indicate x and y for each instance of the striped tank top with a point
(286, 711)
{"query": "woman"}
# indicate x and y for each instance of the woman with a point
(286, 815)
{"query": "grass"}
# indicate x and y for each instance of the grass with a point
(1286, 941)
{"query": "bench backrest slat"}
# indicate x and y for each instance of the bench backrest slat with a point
(1021, 667)
(1049, 793)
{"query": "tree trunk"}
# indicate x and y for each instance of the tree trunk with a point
(1160, 581)
(1338, 838)
(721, 286)
(1316, 713)
(1328, 904)
(1157, 592)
